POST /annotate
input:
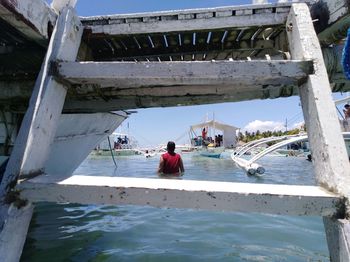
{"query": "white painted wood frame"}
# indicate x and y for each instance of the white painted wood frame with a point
(38, 128)
(13, 235)
(123, 75)
(329, 155)
(177, 193)
(189, 20)
(41, 119)
(323, 128)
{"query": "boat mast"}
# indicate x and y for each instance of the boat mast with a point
(214, 124)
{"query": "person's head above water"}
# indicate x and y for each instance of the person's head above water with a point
(170, 147)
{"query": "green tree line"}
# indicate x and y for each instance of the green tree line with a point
(250, 136)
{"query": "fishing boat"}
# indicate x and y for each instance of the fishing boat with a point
(211, 143)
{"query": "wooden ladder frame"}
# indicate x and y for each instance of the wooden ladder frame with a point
(40, 122)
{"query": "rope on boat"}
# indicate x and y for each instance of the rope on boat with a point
(346, 56)
(110, 149)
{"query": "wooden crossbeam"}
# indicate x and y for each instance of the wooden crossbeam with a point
(154, 74)
(208, 195)
(189, 20)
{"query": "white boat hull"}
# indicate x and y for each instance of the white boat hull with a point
(77, 135)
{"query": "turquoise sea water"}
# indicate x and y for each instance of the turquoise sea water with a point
(70, 232)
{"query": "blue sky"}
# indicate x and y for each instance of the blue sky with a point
(158, 125)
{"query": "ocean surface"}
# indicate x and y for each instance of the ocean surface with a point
(71, 232)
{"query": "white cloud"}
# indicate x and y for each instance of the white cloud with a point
(298, 125)
(264, 126)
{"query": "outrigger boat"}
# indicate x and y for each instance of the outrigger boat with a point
(253, 168)
(212, 145)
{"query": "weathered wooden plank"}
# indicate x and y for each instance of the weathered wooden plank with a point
(11, 236)
(337, 233)
(329, 154)
(98, 103)
(189, 20)
(209, 195)
(143, 74)
(39, 125)
(192, 13)
(40, 122)
(31, 17)
(327, 145)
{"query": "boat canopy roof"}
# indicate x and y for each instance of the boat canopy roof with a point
(215, 124)
(120, 134)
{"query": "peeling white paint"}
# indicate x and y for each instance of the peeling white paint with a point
(208, 195)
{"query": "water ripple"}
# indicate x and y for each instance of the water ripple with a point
(134, 233)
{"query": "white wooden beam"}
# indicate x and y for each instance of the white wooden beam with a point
(143, 74)
(40, 122)
(189, 20)
(329, 154)
(337, 233)
(30, 17)
(38, 128)
(95, 103)
(173, 193)
(327, 144)
(58, 5)
(11, 236)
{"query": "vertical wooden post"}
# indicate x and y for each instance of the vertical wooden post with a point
(40, 122)
(326, 142)
(37, 131)
(329, 155)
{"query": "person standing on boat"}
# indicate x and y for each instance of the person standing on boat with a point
(171, 163)
(204, 134)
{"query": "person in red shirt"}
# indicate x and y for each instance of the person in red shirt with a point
(171, 163)
(204, 134)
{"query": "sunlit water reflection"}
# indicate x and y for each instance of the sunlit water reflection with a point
(134, 233)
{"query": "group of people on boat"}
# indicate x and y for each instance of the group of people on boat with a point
(120, 142)
(216, 142)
